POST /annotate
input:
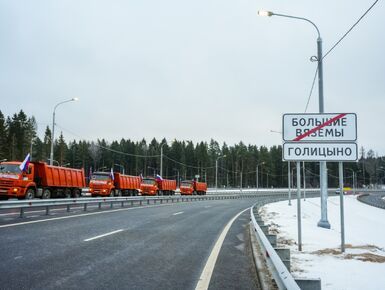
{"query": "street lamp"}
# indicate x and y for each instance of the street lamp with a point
(324, 223)
(354, 180)
(53, 127)
(161, 158)
(258, 174)
(154, 170)
(216, 172)
(121, 166)
(177, 179)
(288, 163)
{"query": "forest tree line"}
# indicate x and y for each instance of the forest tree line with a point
(238, 164)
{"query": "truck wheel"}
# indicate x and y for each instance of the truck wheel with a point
(46, 194)
(118, 193)
(194, 193)
(67, 193)
(112, 193)
(76, 193)
(30, 194)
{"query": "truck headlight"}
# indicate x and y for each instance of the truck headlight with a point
(15, 189)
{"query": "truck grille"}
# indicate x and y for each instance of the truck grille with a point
(6, 183)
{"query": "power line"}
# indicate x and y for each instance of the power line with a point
(334, 46)
(351, 28)
(311, 90)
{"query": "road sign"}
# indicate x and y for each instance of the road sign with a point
(303, 151)
(330, 127)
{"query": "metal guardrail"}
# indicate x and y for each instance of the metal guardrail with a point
(280, 273)
(139, 200)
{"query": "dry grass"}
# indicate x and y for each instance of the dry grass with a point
(364, 257)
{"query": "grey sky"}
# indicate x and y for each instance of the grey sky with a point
(190, 70)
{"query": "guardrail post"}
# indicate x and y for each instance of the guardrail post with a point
(132, 203)
(161, 201)
(68, 207)
(22, 212)
(100, 205)
(111, 205)
(47, 210)
(85, 207)
(122, 203)
(148, 201)
(140, 202)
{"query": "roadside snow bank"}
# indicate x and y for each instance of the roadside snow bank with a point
(362, 266)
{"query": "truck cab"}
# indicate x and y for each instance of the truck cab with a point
(186, 187)
(149, 186)
(101, 184)
(16, 184)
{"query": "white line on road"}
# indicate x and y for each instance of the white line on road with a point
(178, 213)
(204, 280)
(104, 235)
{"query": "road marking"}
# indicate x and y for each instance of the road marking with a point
(81, 215)
(204, 280)
(178, 213)
(104, 235)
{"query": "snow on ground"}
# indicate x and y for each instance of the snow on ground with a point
(362, 266)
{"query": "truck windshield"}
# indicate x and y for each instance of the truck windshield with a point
(100, 177)
(10, 168)
(186, 184)
(148, 181)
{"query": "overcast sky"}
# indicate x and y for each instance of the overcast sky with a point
(189, 70)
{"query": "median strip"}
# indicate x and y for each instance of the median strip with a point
(104, 235)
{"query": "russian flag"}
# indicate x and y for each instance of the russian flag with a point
(158, 177)
(112, 174)
(24, 166)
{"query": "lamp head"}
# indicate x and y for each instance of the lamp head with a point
(264, 13)
(75, 99)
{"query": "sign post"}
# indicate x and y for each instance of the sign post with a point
(324, 137)
(341, 178)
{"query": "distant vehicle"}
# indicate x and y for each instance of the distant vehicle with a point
(39, 180)
(106, 184)
(193, 187)
(157, 186)
(347, 190)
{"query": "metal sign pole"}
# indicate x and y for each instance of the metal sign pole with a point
(289, 181)
(299, 206)
(341, 177)
(304, 180)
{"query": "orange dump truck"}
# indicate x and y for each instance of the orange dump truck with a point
(152, 186)
(39, 180)
(193, 187)
(102, 184)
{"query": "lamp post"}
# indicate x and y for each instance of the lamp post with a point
(53, 127)
(324, 223)
(121, 166)
(216, 172)
(153, 169)
(258, 173)
(177, 179)
(288, 172)
(161, 159)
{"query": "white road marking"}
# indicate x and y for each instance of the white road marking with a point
(204, 280)
(207, 206)
(178, 213)
(81, 215)
(104, 235)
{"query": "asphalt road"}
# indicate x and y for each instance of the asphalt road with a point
(156, 247)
